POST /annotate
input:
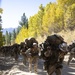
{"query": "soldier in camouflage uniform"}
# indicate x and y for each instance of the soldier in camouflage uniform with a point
(71, 51)
(53, 53)
(33, 57)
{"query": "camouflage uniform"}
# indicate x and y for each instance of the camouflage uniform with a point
(33, 60)
(24, 58)
(53, 62)
(32, 54)
(72, 54)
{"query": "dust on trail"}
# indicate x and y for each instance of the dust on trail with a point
(8, 66)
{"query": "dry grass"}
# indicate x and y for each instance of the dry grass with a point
(41, 39)
(68, 36)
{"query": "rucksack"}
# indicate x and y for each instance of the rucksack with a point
(55, 40)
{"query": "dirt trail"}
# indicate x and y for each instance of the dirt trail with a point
(10, 67)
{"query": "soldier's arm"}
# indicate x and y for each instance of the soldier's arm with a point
(28, 51)
(39, 51)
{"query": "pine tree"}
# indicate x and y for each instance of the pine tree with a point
(24, 21)
(9, 41)
(7, 38)
(1, 36)
(13, 37)
(18, 30)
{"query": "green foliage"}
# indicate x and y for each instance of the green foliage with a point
(65, 3)
(7, 38)
(13, 36)
(33, 26)
(22, 35)
(24, 21)
(1, 35)
(10, 37)
(70, 17)
(46, 18)
(9, 41)
(1, 10)
(40, 19)
(54, 17)
(18, 30)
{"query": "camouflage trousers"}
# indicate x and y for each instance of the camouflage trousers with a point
(72, 55)
(33, 61)
(25, 59)
(52, 68)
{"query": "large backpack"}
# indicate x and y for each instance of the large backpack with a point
(29, 42)
(55, 40)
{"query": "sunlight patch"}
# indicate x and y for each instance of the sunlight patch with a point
(72, 73)
(72, 67)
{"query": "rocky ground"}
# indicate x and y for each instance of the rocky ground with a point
(8, 66)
